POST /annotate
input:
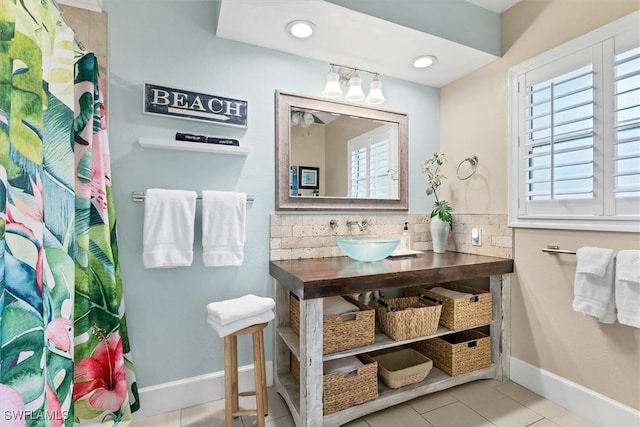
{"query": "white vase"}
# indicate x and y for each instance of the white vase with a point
(439, 234)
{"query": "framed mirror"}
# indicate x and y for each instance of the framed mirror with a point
(333, 155)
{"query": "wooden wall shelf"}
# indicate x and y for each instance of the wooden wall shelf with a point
(168, 144)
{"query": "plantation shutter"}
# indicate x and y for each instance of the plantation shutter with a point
(372, 159)
(557, 136)
(575, 133)
(379, 172)
(358, 175)
(626, 123)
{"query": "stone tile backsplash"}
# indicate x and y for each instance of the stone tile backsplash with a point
(311, 236)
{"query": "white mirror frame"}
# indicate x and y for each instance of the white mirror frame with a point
(284, 200)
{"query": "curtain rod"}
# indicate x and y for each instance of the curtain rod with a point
(64, 18)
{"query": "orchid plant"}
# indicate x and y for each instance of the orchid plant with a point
(431, 167)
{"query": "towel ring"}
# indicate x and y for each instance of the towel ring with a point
(467, 167)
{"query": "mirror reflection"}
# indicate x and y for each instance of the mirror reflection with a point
(358, 156)
(333, 155)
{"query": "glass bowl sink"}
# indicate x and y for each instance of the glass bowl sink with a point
(367, 248)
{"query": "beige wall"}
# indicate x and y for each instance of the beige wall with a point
(546, 332)
(307, 149)
(91, 30)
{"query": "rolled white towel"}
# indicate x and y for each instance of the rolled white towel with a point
(594, 284)
(229, 328)
(345, 364)
(450, 293)
(337, 305)
(627, 284)
(231, 310)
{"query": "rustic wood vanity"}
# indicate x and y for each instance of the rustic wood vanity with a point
(313, 279)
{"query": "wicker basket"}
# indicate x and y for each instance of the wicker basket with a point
(402, 367)
(341, 390)
(460, 313)
(341, 331)
(408, 317)
(458, 353)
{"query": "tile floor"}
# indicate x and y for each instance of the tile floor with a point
(484, 403)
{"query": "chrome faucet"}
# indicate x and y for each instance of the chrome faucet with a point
(361, 224)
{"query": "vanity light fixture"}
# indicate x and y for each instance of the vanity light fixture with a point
(350, 78)
(424, 61)
(300, 29)
(302, 118)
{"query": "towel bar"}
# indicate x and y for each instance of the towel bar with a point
(554, 249)
(138, 196)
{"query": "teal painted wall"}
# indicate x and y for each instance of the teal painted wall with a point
(173, 43)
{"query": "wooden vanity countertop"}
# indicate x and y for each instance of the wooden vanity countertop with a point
(326, 277)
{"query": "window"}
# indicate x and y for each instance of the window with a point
(372, 162)
(575, 133)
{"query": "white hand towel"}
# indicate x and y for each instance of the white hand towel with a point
(231, 310)
(223, 227)
(627, 284)
(593, 285)
(169, 217)
(224, 330)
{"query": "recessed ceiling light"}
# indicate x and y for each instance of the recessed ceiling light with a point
(424, 61)
(300, 29)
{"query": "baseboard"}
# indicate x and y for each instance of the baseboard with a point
(592, 406)
(192, 391)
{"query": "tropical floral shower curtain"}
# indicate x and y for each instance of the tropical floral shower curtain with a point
(64, 351)
(104, 382)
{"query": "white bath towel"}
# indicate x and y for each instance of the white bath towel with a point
(169, 217)
(232, 310)
(627, 284)
(224, 330)
(593, 285)
(223, 228)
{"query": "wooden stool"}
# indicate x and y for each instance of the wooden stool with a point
(231, 394)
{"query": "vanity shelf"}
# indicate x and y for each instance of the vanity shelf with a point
(169, 144)
(311, 280)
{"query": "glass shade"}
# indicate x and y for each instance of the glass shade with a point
(307, 120)
(295, 118)
(332, 88)
(375, 92)
(355, 92)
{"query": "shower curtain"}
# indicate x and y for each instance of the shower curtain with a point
(64, 350)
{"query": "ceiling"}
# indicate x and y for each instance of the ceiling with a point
(355, 39)
(348, 37)
(497, 6)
